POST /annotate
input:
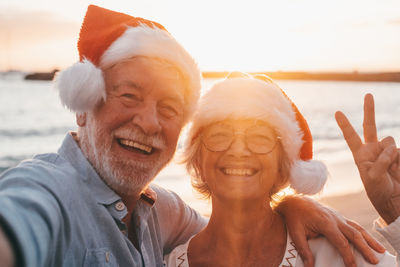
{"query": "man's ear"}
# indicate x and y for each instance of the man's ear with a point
(81, 119)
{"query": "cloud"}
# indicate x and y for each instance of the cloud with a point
(22, 27)
(394, 21)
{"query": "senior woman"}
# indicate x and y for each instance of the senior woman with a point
(247, 142)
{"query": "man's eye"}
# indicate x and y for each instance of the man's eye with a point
(129, 100)
(130, 96)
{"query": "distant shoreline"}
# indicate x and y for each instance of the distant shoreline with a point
(278, 75)
(320, 76)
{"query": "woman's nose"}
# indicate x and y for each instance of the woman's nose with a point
(239, 147)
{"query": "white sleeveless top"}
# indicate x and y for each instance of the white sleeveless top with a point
(323, 252)
(178, 257)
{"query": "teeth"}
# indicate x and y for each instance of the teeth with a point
(239, 172)
(134, 144)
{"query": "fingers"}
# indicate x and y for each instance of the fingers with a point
(338, 240)
(382, 165)
(328, 226)
(395, 168)
(386, 142)
(299, 238)
(359, 242)
(293, 208)
(398, 157)
(369, 124)
(372, 242)
(350, 135)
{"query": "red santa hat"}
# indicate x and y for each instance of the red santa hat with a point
(258, 97)
(108, 37)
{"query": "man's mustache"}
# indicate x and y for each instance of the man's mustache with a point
(136, 134)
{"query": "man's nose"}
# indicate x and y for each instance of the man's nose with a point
(147, 119)
(239, 147)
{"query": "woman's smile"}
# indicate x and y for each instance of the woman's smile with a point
(239, 171)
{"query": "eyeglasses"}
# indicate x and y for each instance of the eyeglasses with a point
(218, 137)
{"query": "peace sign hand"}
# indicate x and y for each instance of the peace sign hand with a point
(378, 162)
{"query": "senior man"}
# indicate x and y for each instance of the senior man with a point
(90, 204)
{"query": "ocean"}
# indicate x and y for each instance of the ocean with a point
(33, 121)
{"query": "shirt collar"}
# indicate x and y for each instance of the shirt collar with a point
(149, 196)
(71, 151)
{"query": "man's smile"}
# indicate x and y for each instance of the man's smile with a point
(136, 146)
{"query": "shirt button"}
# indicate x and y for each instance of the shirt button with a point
(119, 206)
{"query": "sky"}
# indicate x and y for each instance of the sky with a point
(222, 35)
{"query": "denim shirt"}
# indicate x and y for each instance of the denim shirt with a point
(59, 212)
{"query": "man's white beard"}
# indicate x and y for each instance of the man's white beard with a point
(124, 176)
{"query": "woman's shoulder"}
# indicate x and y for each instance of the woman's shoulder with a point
(325, 254)
(178, 256)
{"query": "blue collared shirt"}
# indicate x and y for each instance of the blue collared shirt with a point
(61, 213)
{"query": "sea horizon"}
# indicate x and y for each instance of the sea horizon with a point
(354, 75)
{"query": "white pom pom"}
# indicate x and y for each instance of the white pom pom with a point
(308, 177)
(81, 86)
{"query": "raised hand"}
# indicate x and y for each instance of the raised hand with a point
(378, 162)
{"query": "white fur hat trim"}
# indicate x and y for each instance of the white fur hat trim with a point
(241, 98)
(308, 177)
(81, 86)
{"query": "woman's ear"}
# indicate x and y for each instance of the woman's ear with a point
(81, 119)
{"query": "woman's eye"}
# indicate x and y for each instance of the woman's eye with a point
(219, 135)
(168, 111)
(259, 137)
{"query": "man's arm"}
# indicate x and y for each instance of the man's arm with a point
(178, 222)
(6, 251)
(31, 218)
(306, 218)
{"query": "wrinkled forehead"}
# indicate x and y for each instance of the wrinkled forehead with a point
(170, 70)
(143, 71)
